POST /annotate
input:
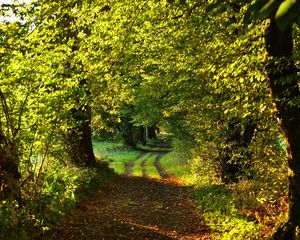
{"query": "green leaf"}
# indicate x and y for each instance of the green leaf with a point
(269, 9)
(253, 10)
(284, 8)
(287, 13)
(261, 9)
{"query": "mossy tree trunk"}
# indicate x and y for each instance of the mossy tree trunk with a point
(284, 86)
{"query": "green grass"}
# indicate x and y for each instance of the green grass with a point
(104, 147)
(176, 167)
(137, 169)
(150, 169)
(153, 149)
(115, 154)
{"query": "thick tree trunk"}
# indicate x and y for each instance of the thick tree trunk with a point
(79, 137)
(9, 171)
(129, 135)
(283, 82)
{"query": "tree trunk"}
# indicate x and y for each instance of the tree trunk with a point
(239, 137)
(152, 132)
(129, 133)
(9, 171)
(143, 135)
(79, 137)
(283, 83)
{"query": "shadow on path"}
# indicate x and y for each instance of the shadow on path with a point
(134, 208)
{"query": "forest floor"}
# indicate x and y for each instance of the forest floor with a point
(135, 208)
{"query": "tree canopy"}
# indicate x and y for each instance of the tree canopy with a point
(200, 70)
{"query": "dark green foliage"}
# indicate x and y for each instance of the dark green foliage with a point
(235, 158)
(285, 12)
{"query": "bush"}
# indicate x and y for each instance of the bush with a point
(58, 191)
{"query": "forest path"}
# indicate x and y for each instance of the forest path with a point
(135, 208)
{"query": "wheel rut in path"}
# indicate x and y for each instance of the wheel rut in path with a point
(160, 169)
(129, 165)
(134, 208)
(143, 166)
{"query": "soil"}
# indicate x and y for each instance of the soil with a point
(135, 208)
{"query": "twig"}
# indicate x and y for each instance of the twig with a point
(43, 160)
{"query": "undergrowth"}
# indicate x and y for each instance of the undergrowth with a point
(250, 209)
(45, 201)
(115, 153)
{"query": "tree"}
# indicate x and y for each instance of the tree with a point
(13, 103)
(284, 86)
(59, 31)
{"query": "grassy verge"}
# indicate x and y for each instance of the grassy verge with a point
(232, 212)
(149, 168)
(46, 201)
(115, 154)
(174, 165)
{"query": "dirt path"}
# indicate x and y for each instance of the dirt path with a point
(143, 166)
(134, 208)
(129, 165)
(160, 169)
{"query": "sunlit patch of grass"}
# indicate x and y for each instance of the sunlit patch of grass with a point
(137, 169)
(151, 170)
(103, 147)
(117, 160)
(115, 154)
(176, 167)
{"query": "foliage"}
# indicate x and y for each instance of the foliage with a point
(284, 11)
(189, 67)
(58, 192)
